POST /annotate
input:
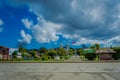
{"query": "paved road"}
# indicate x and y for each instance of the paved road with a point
(59, 71)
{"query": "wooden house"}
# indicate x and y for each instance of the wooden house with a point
(105, 54)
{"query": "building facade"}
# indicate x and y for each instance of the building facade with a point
(105, 54)
(4, 53)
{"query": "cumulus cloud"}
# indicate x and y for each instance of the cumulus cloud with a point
(1, 23)
(96, 21)
(26, 38)
(27, 23)
(83, 20)
(115, 41)
(45, 31)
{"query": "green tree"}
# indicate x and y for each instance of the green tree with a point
(14, 54)
(22, 50)
(23, 54)
(71, 52)
(33, 54)
(61, 52)
(21, 47)
(79, 52)
(90, 56)
(117, 54)
(51, 53)
(97, 46)
(42, 50)
(92, 46)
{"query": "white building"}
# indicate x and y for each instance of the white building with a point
(11, 50)
(19, 55)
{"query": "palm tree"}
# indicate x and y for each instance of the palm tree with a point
(97, 46)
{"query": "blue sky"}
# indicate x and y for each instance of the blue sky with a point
(49, 23)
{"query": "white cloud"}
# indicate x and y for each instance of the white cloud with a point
(27, 23)
(117, 38)
(88, 41)
(25, 37)
(74, 4)
(93, 15)
(114, 41)
(44, 31)
(87, 21)
(96, 14)
(1, 23)
(116, 22)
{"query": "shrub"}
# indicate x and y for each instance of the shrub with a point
(97, 58)
(117, 54)
(66, 57)
(51, 53)
(49, 57)
(90, 56)
(82, 57)
(18, 59)
(14, 54)
(36, 59)
(44, 58)
(61, 57)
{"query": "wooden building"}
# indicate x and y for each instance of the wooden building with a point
(4, 53)
(105, 54)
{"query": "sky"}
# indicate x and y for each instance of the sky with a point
(49, 23)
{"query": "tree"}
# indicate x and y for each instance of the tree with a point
(51, 53)
(21, 46)
(90, 56)
(61, 52)
(22, 50)
(33, 54)
(92, 46)
(71, 51)
(23, 54)
(97, 46)
(14, 54)
(79, 52)
(42, 50)
(117, 54)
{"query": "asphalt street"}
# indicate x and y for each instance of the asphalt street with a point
(59, 71)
